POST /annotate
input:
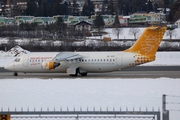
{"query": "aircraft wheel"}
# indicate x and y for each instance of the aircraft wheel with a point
(83, 74)
(15, 74)
(75, 75)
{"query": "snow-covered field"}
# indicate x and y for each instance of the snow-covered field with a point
(82, 93)
(126, 35)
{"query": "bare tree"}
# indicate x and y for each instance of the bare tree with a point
(117, 32)
(134, 32)
(171, 33)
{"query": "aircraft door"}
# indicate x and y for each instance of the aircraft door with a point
(25, 60)
(119, 61)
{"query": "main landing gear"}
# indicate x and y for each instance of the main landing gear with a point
(77, 72)
(83, 74)
(15, 74)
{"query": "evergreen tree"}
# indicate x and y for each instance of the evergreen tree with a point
(149, 6)
(31, 7)
(99, 22)
(117, 30)
(40, 9)
(66, 9)
(75, 8)
(88, 9)
(56, 7)
(174, 13)
(111, 10)
(116, 22)
(85, 10)
(60, 24)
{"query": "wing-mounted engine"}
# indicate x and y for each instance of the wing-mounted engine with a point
(49, 65)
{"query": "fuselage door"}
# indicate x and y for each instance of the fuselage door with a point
(25, 60)
(119, 60)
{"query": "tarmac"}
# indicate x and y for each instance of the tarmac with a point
(135, 72)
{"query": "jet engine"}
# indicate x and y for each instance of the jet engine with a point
(49, 65)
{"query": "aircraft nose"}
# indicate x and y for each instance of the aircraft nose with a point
(9, 67)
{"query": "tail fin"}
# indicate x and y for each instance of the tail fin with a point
(147, 45)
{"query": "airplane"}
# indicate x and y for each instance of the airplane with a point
(74, 63)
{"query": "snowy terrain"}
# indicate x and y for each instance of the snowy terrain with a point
(82, 93)
(126, 35)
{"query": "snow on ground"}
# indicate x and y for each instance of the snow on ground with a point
(165, 59)
(76, 93)
(126, 35)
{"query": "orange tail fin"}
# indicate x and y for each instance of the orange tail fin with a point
(147, 45)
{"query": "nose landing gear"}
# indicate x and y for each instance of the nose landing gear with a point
(15, 74)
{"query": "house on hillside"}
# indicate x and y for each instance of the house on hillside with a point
(72, 20)
(123, 20)
(23, 19)
(108, 20)
(9, 21)
(138, 18)
(6, 21)
(156, 18)
(83, 26)
(2, 21)
(44, 20)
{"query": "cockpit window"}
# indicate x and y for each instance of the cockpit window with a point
(17, 60)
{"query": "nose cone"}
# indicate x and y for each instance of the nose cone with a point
(9, 67)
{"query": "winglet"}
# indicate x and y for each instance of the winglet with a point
(147, 45)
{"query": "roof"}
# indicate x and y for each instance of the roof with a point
(81, 22)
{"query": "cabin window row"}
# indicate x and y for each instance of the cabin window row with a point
(93, 60)
(37, 60)
(82, 60)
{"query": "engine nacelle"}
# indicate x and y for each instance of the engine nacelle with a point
(49, 65)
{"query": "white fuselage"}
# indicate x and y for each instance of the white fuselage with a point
(91, 62)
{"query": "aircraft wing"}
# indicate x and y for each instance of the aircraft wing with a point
(62, 56)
